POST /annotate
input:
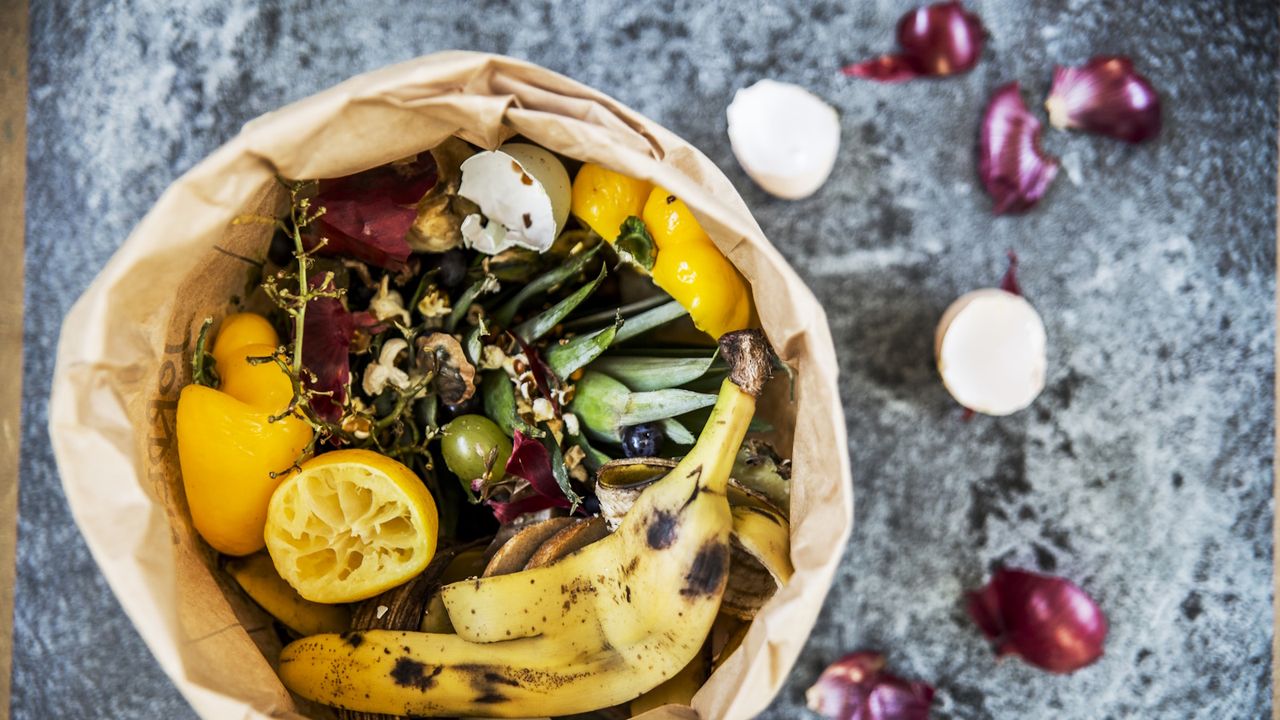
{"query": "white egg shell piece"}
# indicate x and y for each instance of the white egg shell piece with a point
(990, 349)
(517, 209)
(547, 169)
(785, 137)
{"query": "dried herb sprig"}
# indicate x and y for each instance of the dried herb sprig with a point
(292, 291)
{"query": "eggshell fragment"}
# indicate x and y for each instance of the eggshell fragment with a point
(523, 194)
(547, 169)
(785, 137)
(990, 350)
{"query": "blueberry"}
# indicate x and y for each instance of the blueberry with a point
(453, 268)
(642, 440)
(469, 406)
(280, 252)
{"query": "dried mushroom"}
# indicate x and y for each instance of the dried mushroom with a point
(438, 225)
(455, 376)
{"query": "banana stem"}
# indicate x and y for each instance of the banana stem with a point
(750, 366)
(718, 443)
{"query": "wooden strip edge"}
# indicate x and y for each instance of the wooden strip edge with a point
(13, 165)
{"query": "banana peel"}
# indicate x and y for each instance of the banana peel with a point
(595, 629)
(760, 543)
(680, 689)
(257, 576)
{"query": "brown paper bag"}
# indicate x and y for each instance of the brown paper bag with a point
(125, 347)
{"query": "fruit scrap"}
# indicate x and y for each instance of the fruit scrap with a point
(1106, 96)
(688, 265)
(236, 442)
(440, 352)
(1047, 621)
(349, 525)
(935, 40)
(258, 578)
(1014, 169)
(856, 687)
(505, 663)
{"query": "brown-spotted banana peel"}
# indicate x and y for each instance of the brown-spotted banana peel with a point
(595, 629)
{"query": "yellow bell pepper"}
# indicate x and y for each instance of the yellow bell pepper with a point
(603, 199)
(707, 285)
(693, 270)
(228, 448)
(689, 266)
(242, 329)
(671, 222)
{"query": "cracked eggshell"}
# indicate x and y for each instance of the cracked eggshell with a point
(990, 350)
(547, 169)
(523, 193)
(784, 136)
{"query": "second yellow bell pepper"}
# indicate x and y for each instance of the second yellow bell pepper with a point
(689, 266)
(227, 446)
(693, 270)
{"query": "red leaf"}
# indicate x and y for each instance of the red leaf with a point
(326, 342)
(368, 215)
(543, 375)
(372, 232)
(507, 512)
(531, 461)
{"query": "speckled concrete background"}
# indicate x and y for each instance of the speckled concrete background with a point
(1144, 472)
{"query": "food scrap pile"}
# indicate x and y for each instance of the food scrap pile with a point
(485, 412)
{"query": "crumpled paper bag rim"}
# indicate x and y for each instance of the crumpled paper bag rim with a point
(105, 362)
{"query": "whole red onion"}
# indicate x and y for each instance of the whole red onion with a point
(1047, 621)
(1105, 96)
(1014, 169)
(936, 40)
(855, 687)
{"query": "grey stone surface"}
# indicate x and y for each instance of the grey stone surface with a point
(1144, 472)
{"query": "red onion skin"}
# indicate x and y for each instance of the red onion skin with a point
(936, 40)
(1048, 621)
(1014, 169)
(855, 687)
(1105, 96)
(885, 69)
(1009, 283)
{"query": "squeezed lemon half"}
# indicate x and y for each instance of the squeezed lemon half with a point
(349, 525)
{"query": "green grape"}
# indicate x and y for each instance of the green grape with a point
(467, 442)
